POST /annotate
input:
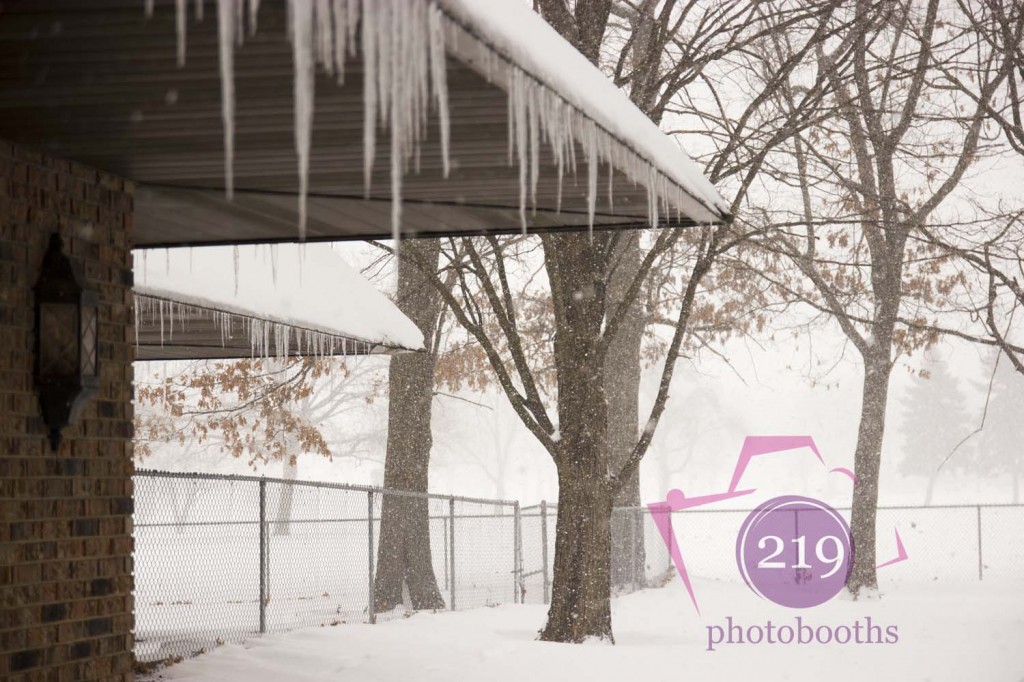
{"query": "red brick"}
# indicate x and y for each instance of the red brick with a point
(80, 584)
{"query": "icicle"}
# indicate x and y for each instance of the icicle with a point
(239, 22)
(161, 313)
(571, 131)
(533, 112)
(199, 10)
(522, 132)
(149, 9)
(180, 15)
(388, 25)
(323, 29)
(234, 258)
(226, 25)
(590, 147)
(369, 39)
(254, 10)
(352, 22)
(559, 134)
(390, 82)
(611, 182)
(511, 101)
(339, 10)
(139, 311)
(439, 79)
(302, 52)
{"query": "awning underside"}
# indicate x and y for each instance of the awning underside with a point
(99, 83)
(169, 330)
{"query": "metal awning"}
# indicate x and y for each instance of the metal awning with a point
(251, 301)
(99, 82)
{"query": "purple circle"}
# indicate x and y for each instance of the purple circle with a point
(795, 551)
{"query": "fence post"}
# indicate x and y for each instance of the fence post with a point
(671, 539)
(371, 597)
(451, 555)
(980, 564)
(517, 555)
(263, 555)
(544, 549)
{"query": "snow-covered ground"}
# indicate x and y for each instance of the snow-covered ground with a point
(968, 631)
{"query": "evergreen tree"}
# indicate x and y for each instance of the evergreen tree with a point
(1002, 437)
(934, 422)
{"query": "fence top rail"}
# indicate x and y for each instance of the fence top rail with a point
(352, 487)
(553, 508)
(916, 507)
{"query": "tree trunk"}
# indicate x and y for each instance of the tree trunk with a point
(581, 590)
(867, 463)
(622, 386)
(184, 510)
(403, 553)
(930, 490)
(287, 493)
(581, 587)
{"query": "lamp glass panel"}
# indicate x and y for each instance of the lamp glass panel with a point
(58, 339)
(89, 338)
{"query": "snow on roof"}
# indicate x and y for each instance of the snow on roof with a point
(305, 288)
(523, 37)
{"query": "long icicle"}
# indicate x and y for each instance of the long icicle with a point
(226, 33)
(304, 83)
(439, 80)
(370, 18)
(181, 24)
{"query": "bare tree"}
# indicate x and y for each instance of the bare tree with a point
(655, 50)
(994, 246)
(260, 410)
(483, 432)
(403, 553)
(871, 177)
(577, 267)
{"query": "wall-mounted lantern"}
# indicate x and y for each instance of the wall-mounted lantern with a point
(67, 334)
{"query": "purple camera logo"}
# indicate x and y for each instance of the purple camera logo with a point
(795, 551)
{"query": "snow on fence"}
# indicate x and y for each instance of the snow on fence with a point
(222, 558)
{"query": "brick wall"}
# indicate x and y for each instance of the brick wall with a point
(65, 516)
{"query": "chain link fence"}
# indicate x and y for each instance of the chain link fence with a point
(220, 558)
(945, 543)
(645, 563)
